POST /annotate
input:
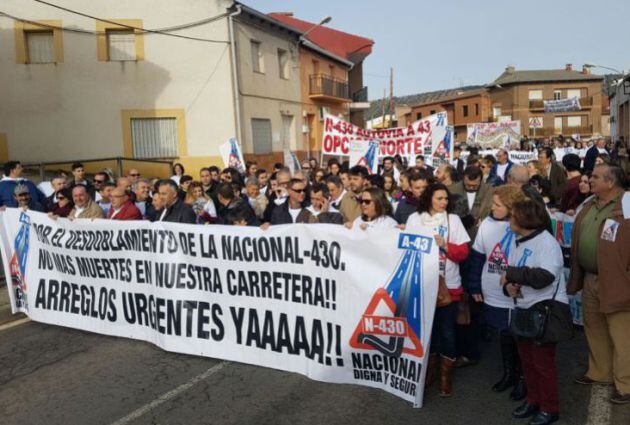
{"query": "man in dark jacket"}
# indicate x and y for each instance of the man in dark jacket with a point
(553, 172)
(593, 152)
(12, 178)
(231, 206)
(293, 210)
(419, 180)
(320, 205)
(175, 210)
(502, 167)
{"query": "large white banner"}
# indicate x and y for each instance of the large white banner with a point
(517, 157)
(495, 135)
(417, 138)
(337, 305)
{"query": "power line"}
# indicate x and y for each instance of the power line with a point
(162, 31)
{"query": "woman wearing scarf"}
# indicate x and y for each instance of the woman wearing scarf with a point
(451, 237)
(488, 261)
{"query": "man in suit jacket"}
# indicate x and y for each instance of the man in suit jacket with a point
(320, 205)
(175, 210)
(553, 172)
(477, 194)
(293, 210)
(342, 200)
(598, 147)
(122, 208)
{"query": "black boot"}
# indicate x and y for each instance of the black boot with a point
(508, 350)
(519, 392)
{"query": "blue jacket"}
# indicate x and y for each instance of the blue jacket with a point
(507, 171)
(8, 186)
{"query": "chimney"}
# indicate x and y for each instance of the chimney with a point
(568, 67)
(586, 70)
(510, 69)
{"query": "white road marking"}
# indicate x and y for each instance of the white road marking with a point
(14, 324)
(169, 395)
(600, 408)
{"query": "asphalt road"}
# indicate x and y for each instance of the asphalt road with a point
(52, 375)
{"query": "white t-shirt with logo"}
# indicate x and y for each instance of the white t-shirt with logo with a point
(496, 241)
(383, 222)
(542, 251)
(455, 233)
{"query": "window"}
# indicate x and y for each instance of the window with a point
(121, 45)
(535, 95)
(40, 46)
(496, 111)
(283, 63)
(574, 93)
(557, 94)
(257, 58)
(117, 42)
(574, 121)
(418, 116)
(154, 137)
(557, 124)
(315, 67)
(38, 42)
(465, 110)
(432, 112)
(154, 133)
(476, 109)
(261, 136)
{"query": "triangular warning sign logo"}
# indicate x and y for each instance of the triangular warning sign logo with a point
(380, 330)
(497, 256)
(441, 148)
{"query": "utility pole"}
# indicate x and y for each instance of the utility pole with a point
(383, 108)
(391, 96)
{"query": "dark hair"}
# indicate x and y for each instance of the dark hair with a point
(381, 205)
(204, 169)
(214, 169)
(530, 215)
(102, 173)
(82, 186)
(278, 166)
(472, 172)
(259, 172)
(67, 193)
(359, 170)
(388, 158)
(490, 158)
(108, 184)
(422, 174)
(320, 187)
(426, 200)
(76, 165)
(167, 182)
(376, 180)
(177, 164)
(185, 178)
(248, 165)
(235, 215)
(571, 162)
(233, 172)
(420, 157)
(10, 166)
(544, 185)
(336, 180)
(225, 190)
(332, 161)
(293, 182)
(547, 150)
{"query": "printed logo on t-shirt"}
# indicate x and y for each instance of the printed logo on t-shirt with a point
(498, 259)
(442, 230)
(609, 232)
(526, 254)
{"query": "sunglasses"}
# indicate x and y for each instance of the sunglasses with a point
(99, 181)
(135, 175)
(61, 198)
(365, 201)
(22, 195)
(299, 190)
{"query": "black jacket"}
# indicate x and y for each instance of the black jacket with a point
(281, 215)
(179, 212)
(589, 159)
(330, 218)
(237, 207)
(406, 207)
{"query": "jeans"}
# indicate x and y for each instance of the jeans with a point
(443, 339)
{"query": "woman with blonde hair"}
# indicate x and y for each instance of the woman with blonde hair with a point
(488, 261)
(534, 168)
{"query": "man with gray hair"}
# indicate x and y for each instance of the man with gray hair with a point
(599, 267)
(519, 177)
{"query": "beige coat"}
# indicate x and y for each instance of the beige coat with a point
(92, 210)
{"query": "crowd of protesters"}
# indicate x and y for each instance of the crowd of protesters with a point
(484, 207)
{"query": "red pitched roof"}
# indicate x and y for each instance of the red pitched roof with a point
(349, 46)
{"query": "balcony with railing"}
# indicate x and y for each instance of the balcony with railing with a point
(565, 131)
(585, 102)
(325, 87)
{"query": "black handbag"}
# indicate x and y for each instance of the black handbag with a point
(545, 322)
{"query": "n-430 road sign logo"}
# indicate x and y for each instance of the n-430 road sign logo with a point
(392, 321)
(18, 262)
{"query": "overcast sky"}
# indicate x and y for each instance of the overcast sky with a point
(444, 44)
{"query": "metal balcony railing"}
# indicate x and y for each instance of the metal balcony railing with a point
(585, 102)
(322, 85)
(566, 131)
(360, 95)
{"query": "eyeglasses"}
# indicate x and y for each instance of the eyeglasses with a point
(299, 190)
(99, 181)
(20, 195)
(135, 175)
(365, 201)
(61, 198)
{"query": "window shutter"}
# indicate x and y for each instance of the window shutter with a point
(40, 46)
(121, 45)
(154, 137)
(261, 136)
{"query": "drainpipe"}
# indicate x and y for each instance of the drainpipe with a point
(235, 86)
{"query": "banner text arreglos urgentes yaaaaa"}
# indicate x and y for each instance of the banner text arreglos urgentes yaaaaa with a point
(337, 305)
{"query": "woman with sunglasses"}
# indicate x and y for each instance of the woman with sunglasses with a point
(434, 211)
(375, 211)
(488, 261)
(64, 203)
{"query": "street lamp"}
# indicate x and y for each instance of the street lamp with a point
(592, 65)
(324, 21)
